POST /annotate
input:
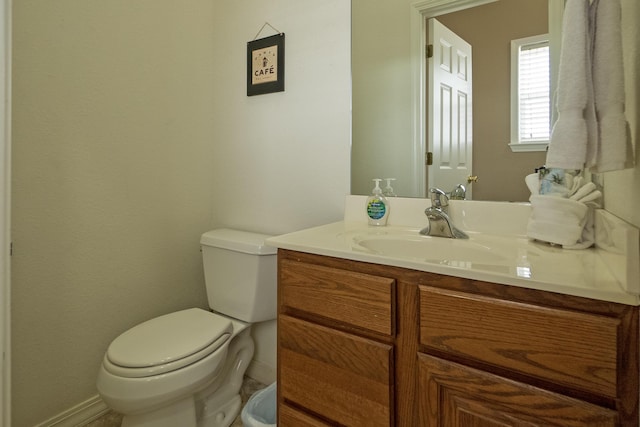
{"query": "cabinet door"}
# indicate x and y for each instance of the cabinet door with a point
(345, 378)
(453, 395)
(290, 417)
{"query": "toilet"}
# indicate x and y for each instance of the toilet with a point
(186, 368)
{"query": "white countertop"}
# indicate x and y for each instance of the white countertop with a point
(523, 262)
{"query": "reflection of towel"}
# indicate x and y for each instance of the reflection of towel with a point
(568, 145)
(614, 145)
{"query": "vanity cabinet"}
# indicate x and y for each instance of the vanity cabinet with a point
(363, 344)
(335, 344)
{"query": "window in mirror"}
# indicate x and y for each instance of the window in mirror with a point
(530, 93)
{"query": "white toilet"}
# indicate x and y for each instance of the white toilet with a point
(185, 368)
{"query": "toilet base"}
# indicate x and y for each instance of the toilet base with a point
(223, 416)
(217, 405)
(181, 413)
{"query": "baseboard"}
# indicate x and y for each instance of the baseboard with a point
(92, 409)
(261, 372)
(80, 415)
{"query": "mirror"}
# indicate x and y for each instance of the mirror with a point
(389, 118)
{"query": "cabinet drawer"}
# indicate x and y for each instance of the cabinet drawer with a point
(572, 349)
(357, 299)
(346, 378)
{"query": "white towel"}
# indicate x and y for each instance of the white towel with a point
(569, 137)
(577, 184)
(556, 220)
(533, 183)
(591, 197)
(614, 143)
(583, 191)
(588, 236)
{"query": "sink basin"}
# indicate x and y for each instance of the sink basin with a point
(455, 252)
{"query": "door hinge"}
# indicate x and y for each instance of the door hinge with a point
(429, 158)
(429, 50)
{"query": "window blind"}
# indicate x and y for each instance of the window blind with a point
(533, 90)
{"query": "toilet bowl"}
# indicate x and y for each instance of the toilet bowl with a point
(186, 368)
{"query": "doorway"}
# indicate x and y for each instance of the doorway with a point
(449, 109)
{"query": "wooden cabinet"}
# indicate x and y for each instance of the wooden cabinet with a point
(452, 394)
(335, 344)
(368, 345)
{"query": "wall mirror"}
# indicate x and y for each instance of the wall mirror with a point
(390, 84)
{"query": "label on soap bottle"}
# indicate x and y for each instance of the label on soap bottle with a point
(376, 209)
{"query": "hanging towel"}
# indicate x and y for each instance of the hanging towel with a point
(570, 134)
(614, 144)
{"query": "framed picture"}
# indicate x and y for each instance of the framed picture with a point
(265, 65)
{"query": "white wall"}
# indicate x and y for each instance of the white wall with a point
(132, 136)
(285, 159)
(621, 195)
(284, 162)
(383, 116)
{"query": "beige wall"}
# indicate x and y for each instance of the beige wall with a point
(489, 29)
(132, 136)
(112, 183)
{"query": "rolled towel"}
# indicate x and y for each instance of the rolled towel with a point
(594, 195)
(575, 186)
(533, 183)
(583, 191)
(568, 180)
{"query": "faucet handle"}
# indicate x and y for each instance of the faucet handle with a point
(439, 198)
(458, 193)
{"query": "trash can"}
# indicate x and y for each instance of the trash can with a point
(260, 410)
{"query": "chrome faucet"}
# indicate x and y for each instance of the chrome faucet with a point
(440, 224)
(458, 193)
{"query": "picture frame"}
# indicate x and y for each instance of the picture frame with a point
(265, 65)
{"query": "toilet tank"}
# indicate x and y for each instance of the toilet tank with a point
(240, 274)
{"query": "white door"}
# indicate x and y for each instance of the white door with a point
(449, 135)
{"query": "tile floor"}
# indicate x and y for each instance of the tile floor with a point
(249, 386)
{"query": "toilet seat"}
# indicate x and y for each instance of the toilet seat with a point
(143, 350)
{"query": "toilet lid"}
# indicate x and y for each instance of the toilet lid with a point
(168, 342)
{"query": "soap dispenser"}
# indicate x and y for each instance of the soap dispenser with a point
(388, 190)
(377, 206)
